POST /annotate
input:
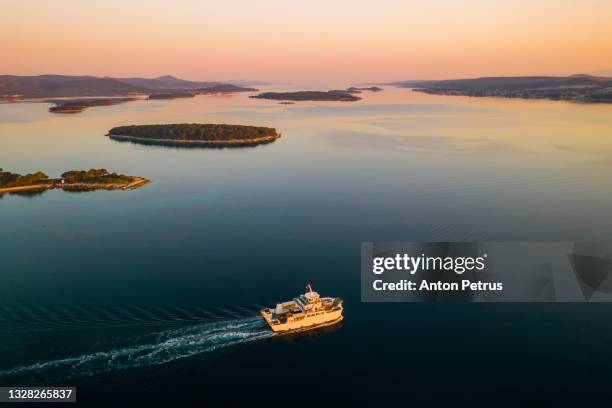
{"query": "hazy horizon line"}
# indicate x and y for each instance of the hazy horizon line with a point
(602, 73)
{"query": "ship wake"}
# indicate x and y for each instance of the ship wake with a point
(150, 349)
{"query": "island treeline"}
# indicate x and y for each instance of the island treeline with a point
(196, 132)
(8, 179)
(333, 95)
(96, 176)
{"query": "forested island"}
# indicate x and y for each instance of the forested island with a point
(354, 89)
(333, 95)
(225, 89)
(174, 95)
(79, 105)
(74, 180)
(576, 88)
(195, 134)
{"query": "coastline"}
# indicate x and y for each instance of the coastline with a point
(190, 143)
(138, 182)
(525, 96)
(26, 188)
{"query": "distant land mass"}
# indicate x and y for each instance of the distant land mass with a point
(79, 105)
(167, 82)
(355, 89)
(172, 95)
(14, 87)
(333, 95)
(225, 88)
(210, 90)
(195, 134)
(577, 88)
(62, 85)
(74, 180)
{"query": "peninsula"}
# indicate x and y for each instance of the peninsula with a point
(79, 105)
(195, 134)
(74, 180)
(333, 95)
(575, 88)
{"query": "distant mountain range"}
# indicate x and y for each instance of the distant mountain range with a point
(579, 88)
(66, 85)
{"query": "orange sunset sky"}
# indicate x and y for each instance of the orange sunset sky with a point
(306, 41)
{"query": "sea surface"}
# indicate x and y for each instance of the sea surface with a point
(150, 297)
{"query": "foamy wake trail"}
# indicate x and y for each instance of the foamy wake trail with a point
(157, 348)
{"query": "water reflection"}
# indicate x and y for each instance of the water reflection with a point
(182, 145)
(26, 193)
(424, 144)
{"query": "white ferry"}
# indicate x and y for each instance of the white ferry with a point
(305, 312)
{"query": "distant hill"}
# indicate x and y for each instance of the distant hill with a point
(578, 88)
(63, 85)
(71, 86)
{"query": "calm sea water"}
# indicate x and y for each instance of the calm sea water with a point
(151, 296)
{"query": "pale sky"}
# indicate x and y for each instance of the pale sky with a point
(306, 41)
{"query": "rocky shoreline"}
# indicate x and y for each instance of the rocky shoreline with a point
(195, 143)
(138, 182)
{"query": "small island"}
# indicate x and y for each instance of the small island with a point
(195, 134)
(333, 95)
(225, 89)
(79, 105)
(175, 95)
(354, 89)
(74, 180)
